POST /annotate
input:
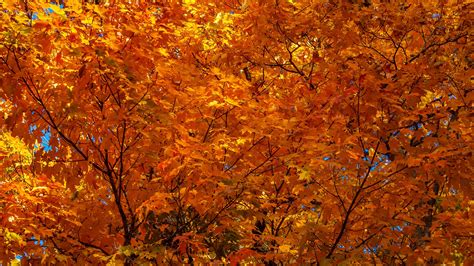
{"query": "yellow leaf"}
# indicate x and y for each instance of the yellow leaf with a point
(213, 103)
(304, 174)
(163, 52)
(14, 237)
(231, 102)
(241, 141)
(57, 10)
(285, 248)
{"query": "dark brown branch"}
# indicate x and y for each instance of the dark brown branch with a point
(352, 205)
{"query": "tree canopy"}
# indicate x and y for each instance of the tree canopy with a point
(236, 131)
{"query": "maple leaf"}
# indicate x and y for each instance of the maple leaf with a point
(260, 132)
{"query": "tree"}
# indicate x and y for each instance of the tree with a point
(267, 132)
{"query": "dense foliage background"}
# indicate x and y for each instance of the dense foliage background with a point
(253, 131)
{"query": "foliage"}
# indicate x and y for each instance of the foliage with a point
(275, 132)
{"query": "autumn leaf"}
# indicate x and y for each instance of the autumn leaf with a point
(237, 132)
